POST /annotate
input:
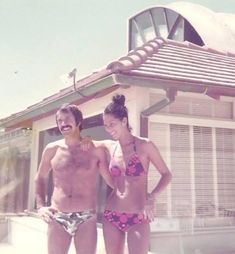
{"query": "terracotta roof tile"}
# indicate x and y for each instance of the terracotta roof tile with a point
(178, 60)
(160, 59)
(66, 91)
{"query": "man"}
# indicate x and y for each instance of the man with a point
(72, 211)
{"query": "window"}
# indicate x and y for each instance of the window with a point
(145, 26)
(225, 160)
(203, 170)
(171, 18)
(202, 161)
(136, 39)
(181, 191)
(14, 170)
(160, 22)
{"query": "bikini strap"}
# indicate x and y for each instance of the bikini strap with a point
(114, 150)
(134, 146)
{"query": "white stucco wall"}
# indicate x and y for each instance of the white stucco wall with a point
(137, 100)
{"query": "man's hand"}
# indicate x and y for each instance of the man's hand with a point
(87, 144)
(47, 213)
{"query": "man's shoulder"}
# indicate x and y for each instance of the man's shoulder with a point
(50, 149)
(54, 144)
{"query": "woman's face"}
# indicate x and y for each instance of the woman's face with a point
(114, 126)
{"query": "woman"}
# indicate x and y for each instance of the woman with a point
(129, 208)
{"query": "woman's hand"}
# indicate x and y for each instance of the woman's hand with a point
(47, 213)
(149, 207)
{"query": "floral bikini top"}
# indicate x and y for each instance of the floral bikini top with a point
(133, 168)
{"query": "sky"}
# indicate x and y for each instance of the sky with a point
(43, 39)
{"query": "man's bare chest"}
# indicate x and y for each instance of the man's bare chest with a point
(73, 161)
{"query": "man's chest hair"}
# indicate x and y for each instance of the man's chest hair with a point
(75, 160)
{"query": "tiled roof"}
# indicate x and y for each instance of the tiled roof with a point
(181, 65)
(179, 61)
(52, 102)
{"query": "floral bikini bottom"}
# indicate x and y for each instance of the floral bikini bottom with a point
(124, 221)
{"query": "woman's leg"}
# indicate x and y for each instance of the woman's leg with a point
(85, 239)
(58, 239)
(138, 238)
(114, 238)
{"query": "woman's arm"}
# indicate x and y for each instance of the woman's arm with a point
(156, 159)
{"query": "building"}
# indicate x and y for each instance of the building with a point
(179, 81)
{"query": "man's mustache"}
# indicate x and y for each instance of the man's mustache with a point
(65, 126)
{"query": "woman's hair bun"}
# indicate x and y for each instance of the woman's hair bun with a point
(119, 99)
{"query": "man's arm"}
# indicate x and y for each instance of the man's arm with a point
(103, 165)
(89, 143)
(42, 175)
